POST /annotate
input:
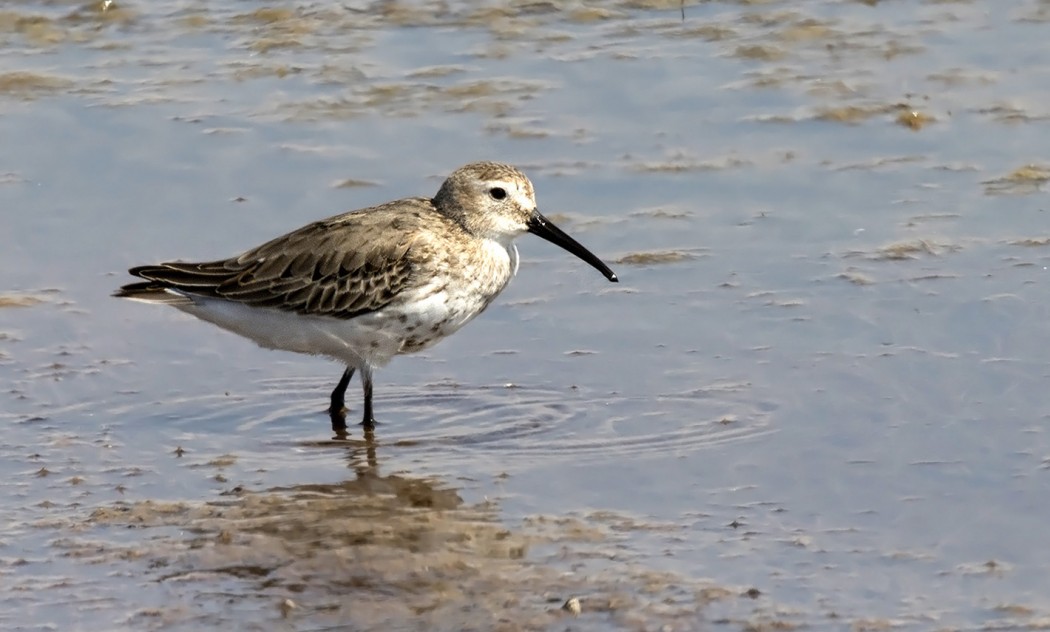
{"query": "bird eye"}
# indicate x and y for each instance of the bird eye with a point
(498, 193)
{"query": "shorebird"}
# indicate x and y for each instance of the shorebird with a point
(367, 285)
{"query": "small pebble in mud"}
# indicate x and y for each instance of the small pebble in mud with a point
(572, 604)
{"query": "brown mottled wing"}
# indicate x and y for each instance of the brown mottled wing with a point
(343, 267)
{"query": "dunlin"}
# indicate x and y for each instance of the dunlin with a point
(364, 286)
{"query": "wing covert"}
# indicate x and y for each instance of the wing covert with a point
(342, 267)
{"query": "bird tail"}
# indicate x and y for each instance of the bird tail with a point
(151, 292)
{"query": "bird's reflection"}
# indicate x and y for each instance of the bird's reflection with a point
(367, 443)
(355, 543)
(339, 428)
(362, 456)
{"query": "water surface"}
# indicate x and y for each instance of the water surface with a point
(816, 398)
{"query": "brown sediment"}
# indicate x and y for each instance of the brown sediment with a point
(856, 278)
(759, 52)
(1032, 242)
(908, 249)
(351, 183)
(914, 119)
(1021, 181)
(655, 257)
(681, 163)
(28, 85)
(19, 300)
(389, 551)
(853, 114)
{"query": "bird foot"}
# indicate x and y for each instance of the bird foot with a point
(338, 417)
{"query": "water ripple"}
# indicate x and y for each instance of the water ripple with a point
(512, 421)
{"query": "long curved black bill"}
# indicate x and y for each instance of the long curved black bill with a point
(542, 227)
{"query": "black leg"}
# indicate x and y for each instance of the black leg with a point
(368, 421)
(339, 393)
(337, 409)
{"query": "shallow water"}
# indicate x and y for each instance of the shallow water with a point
(816, 398)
